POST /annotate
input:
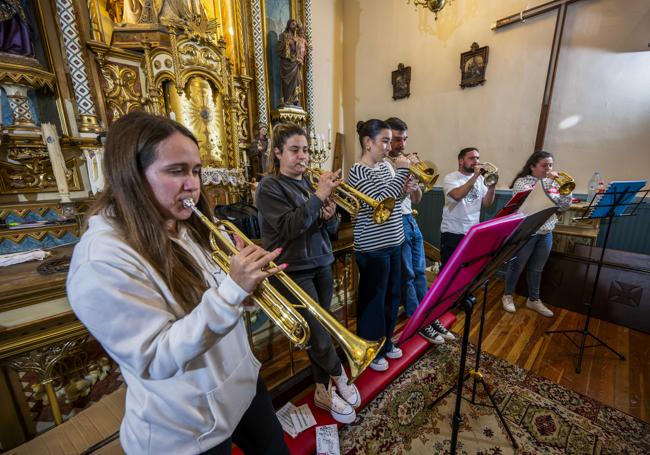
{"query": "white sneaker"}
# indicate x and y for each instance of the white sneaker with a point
(379, 364)
(349, 393)
(538, 306)
(328, 399)
(442, 330)
(394, 353)
(430, 334)
(508, 303)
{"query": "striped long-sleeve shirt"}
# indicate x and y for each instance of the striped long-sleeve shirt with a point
(552, 188)
(378, 183)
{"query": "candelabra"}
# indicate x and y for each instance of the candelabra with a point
(432, 5)
(319, 150)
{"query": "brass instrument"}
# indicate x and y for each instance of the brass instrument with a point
(425, 171)
(566, 182)
(283, 313)
(347, 197)
(490, 173)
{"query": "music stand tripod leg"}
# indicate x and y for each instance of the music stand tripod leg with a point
(468, 305)
(584, 333)
(476, 375)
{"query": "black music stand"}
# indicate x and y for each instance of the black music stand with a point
(465, 297)
(609, 205)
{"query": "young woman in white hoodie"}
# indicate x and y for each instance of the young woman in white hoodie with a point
(142, 281)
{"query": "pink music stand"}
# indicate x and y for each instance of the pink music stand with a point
(466, 263)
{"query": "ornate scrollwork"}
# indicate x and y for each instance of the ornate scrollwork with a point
(122, 90)
(44, 361)
(47, 363)
(192, 54)
(35, 175)
(27, 152)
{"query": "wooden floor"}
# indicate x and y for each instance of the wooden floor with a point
(519, 338)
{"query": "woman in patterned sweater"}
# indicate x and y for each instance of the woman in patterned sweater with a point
(535, 252)
(378, 246)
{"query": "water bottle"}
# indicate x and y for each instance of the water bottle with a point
(593, 185)
(601, 186)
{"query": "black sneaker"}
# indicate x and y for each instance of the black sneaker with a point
(446, 334)
(430, 334)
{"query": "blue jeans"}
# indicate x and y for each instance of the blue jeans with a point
(414, 279)
(379, 294)
(534, 253)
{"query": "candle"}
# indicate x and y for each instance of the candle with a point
(329, 133)
(51, 139)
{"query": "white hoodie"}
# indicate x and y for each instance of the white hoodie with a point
(190, 377)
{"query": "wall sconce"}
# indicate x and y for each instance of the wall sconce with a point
(432, 5)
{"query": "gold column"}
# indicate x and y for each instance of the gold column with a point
(228, 26)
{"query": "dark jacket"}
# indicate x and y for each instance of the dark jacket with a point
(289, 216)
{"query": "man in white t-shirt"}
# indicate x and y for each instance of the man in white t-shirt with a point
(465, 193)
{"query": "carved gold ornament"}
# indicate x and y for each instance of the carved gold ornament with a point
(35, 175)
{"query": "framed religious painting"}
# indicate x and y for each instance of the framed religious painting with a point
(472, 66)
(401, 80)
(285, 51)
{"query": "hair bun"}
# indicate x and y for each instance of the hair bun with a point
(360, 124)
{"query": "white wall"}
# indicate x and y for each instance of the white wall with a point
(327, 55)
(357, 43)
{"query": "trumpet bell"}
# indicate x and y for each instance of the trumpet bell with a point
(427, 173)
(383, 210)
(490, 174)
(566, 182)
(349, 198)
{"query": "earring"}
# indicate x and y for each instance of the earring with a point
(368, 148)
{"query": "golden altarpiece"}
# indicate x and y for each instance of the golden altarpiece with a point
(68, 69)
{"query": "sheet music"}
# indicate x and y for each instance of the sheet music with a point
(536, 201)
(302, 418)
(327, 440)
(284, 416)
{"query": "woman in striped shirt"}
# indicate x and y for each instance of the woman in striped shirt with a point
(538, 168)
(378, 246)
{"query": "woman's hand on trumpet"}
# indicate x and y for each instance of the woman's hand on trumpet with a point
(411, 185)
(248, 268)
(552, 175)
(327, 181)
(402, 162)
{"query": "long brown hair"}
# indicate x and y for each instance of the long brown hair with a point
(127, 200)
(532, 160)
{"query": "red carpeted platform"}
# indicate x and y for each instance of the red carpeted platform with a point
(370, 383)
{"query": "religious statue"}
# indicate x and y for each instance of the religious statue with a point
(258, 151)
(14, 35)
(292, 50)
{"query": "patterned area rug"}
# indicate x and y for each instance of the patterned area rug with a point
(543, 417)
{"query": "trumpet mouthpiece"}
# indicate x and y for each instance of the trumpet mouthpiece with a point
(188, 203)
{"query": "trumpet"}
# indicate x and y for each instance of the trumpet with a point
(425, 171)
(490, 173)
(348, 198)
(283, 313)
(566, 182)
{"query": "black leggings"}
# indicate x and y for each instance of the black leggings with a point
(258, 431)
